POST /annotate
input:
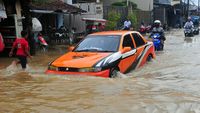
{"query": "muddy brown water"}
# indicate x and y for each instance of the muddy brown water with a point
(168, 84)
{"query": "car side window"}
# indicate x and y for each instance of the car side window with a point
(138, 40)
(128, 42)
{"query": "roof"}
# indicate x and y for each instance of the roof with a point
(56, 6)
(113, 32)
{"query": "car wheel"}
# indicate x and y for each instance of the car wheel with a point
(113, 72)
(149, 58)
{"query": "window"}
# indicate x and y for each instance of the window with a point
(100, 43)
(138, 40)
(128, 42)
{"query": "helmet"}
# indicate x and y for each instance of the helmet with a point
(189, 18)
(157, 23)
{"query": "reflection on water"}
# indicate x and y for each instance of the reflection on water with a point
(168, 84)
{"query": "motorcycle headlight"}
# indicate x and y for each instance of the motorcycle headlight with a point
(92, 69)
(54, 68)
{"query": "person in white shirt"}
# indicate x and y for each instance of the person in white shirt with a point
(189, 24)
(127, 24)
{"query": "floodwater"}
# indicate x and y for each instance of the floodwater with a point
(168, 84)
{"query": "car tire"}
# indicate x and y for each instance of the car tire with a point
(113, 72)
(149, 58)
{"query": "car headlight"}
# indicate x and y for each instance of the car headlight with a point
(51, 67)
(92, 69)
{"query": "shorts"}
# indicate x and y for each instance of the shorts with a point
(23, 61)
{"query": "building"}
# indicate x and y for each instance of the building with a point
(162, 11)
(145, 5)
(93, 8)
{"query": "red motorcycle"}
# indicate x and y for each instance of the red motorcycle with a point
(148, 29)
(142, 29)
(42, 42)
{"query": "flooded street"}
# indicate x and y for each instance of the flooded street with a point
(168, 84)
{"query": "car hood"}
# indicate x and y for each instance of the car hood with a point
(79, 59)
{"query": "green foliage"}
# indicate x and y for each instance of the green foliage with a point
(113, 18)
(119, 4)
(133, 18)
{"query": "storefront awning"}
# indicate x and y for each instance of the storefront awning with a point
(42, 11)
(2, 10)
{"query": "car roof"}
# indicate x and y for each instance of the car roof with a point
(113, 32)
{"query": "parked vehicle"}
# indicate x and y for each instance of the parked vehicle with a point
(42, 42)
(188, 31)
(105, 54)
(92, 24)
(156, 38)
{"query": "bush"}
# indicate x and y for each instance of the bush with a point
(113, 18)
(133, 18)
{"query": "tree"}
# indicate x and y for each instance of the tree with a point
(113, 19)
(133, 18)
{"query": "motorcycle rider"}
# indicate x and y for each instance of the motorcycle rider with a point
(189, 23)
(142, 28)
(158, 29)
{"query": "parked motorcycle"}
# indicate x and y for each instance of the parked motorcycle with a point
(62, 35)
(42, 43)
(156, 38)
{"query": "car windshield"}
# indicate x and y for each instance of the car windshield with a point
(99, 43)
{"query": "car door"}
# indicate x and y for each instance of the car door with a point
(140, 47)
(128, 58)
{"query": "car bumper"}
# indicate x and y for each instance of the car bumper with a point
(104, 73)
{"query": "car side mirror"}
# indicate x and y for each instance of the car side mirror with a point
(71, 48)
(126, 49)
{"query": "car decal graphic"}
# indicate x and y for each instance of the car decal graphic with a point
(140, 58)
(110, 59)
(130, 53)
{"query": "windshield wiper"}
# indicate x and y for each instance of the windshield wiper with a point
(106, 51)
(87, 50)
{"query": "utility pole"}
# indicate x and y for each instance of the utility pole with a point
(188, 6)
(127, 3)
(198, 8)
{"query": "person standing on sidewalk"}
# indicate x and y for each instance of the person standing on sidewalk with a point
(22, 47)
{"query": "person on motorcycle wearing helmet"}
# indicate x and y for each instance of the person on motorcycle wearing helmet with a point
(189, 23)
(158, 29)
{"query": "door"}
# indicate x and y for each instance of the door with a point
(128, 58)
(140, 47)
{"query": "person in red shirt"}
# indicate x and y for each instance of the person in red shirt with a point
(22, 47)
(2, 45)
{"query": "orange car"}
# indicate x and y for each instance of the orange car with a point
(104, 54)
